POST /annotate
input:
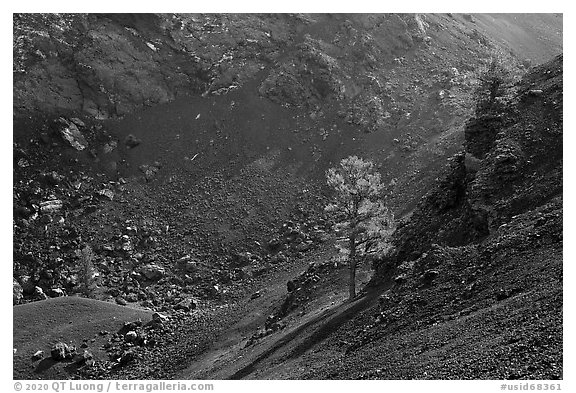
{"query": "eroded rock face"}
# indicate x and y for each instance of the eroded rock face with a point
(107, 65)
(307, 77)
(512, 165)
(480, 134)
(110, 65)
(523, 169)
(85, 64)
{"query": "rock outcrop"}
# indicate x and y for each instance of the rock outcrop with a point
(515, 167)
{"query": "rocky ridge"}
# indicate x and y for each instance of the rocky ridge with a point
(447, 272)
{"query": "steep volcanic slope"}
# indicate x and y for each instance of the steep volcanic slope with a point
(207, 136)
(455, 301)
(110, 64)
(395, 88)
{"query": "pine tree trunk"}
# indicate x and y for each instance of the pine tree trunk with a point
(352, 279)
(352, 267)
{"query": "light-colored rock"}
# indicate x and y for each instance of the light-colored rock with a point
(62, 351)
(17, 292)
(56, 292)
(38, 355)
(72, 135)
(131, 336)
(39, 294)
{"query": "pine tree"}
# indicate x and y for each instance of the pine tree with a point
(494, 80)
(359, 211)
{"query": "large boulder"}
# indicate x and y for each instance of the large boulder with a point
(17, 292)
(188, 264)
(131, 141)
(70, 132)
(152, 271)
(131, 336)
(56, 292)
(28, 285)
(84, 358)
(242, 259)
(62, 351)
(186, 305)
(39, 294)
